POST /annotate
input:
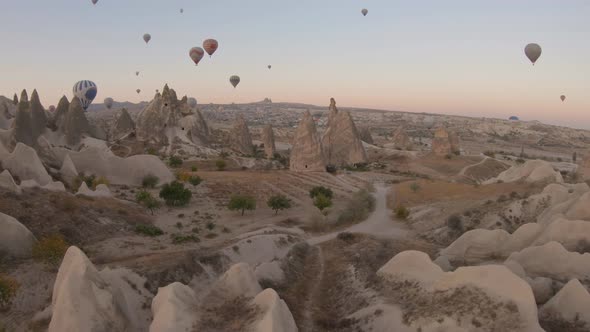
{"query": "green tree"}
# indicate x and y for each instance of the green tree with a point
(220, 164)
(242, 203)
(146, 199)
(195, 180)
(321, 201)
(315, 191)
(150, 181)
(279, 202)
(175, 194)
(175, 161)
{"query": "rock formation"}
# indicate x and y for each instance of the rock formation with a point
(25, 163)
(570, 304)
(173, 309)
(276, 315)
(161, 115)
(196, 129)
(61, 112)
(101, 191)
(75, 123)
(441, 143)
(38, 117)
(307, 152)
(15, 99)
(240, 139)
(68, 171)
(455, 143)
(7, 182)
(238, 280)
(124, 125)
(15, 239)
(401, 140)
(268, 139)
(531, 171)
(365, 135)
(341, 142)
(22, 125)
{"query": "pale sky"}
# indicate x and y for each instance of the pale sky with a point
(454, 56)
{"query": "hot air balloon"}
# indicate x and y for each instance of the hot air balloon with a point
(138, 91)
(196, 54)
(51, 108)
(210, 46)
(85, 91)
(269, 66)
(234, 80)
(108, 102)
(181, 10)
(533, 52)
(136, 73)
(147, 37)
(192, 102)
(364, 11)
(562, 98)
(94, 2)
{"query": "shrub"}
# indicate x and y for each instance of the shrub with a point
(99, 180)
(194, 168)
(174, 194)
(220, 164)
(490, 154)
(331, 169)
(148, 230)
(401, 212)
(146, 199)
(175, 161)
(455, 223)
(179, 238)
(520, 161)
(195, 180)
(210, 225)
(182, 176)
(321, 201)
(8, 289)
(50, 249)
(150, 181)
(415, 186)
(278, 202)
(361, 204)
(448, 156)
(152, 151)
(315, 191)
(242, 203)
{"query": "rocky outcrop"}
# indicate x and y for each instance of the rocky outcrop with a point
(441, 143)
(276, 316)
(22, 125)
(7, 182)
(60, 114)
(83, 301)
(401, 140)
(365, 135)
(15, 239)
(531, 171)
(341, 142)
(101, 191)
(124, 125)
(455, 142)
(155, 122)
(68, 171)
(75, 123)
(307, 154)
(570, 304)
(238, 280)
(240, 138)
(268, 139)
(25, 163)
(173, 309)
(38, 117)
(196, 129)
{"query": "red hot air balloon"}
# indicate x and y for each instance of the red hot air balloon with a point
(562, 98)
(210, 46)
(196, 54)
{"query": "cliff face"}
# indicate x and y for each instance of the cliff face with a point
(307, 154)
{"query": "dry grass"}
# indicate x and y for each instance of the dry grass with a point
(447, 167)
(432, 191)
(233, 315)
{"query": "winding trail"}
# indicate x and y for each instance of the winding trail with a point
(378, 224)
(308, 323)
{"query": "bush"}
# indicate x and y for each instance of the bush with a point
(490, 154)
(322, 202)
(148, 230)
(455, 223)
(174, 194)
(179, 238)
(210, 225)
(150, 181)
(242, 203)
(278, 202)
(315, 191)
(182, 176)
(220, 164)
(100, 180)
(175, 161)
(361, 204)
(50, 249)
(415, 187)
(195, 180)
(146, 199)
(152, 151)
(194, 168)
(520, 161)
(401, 212)
(8, 289)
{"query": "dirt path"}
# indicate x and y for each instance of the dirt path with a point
(378, 224)
(308, 322)
(462, 172)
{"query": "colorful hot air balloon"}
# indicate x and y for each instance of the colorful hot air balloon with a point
(269, 66)
(562, 98)
(210, 46)
(147, 37)
(234, 80)
(94, 2)
(364, 11)
(138, 91)
(108, 102)
(192, 102)
(85, 91)
(533, 52)
(196, 54)
(51, 108)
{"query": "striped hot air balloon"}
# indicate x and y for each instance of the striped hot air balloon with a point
(196, 54)
(234, 80)
(210, 46)
(85, 91)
